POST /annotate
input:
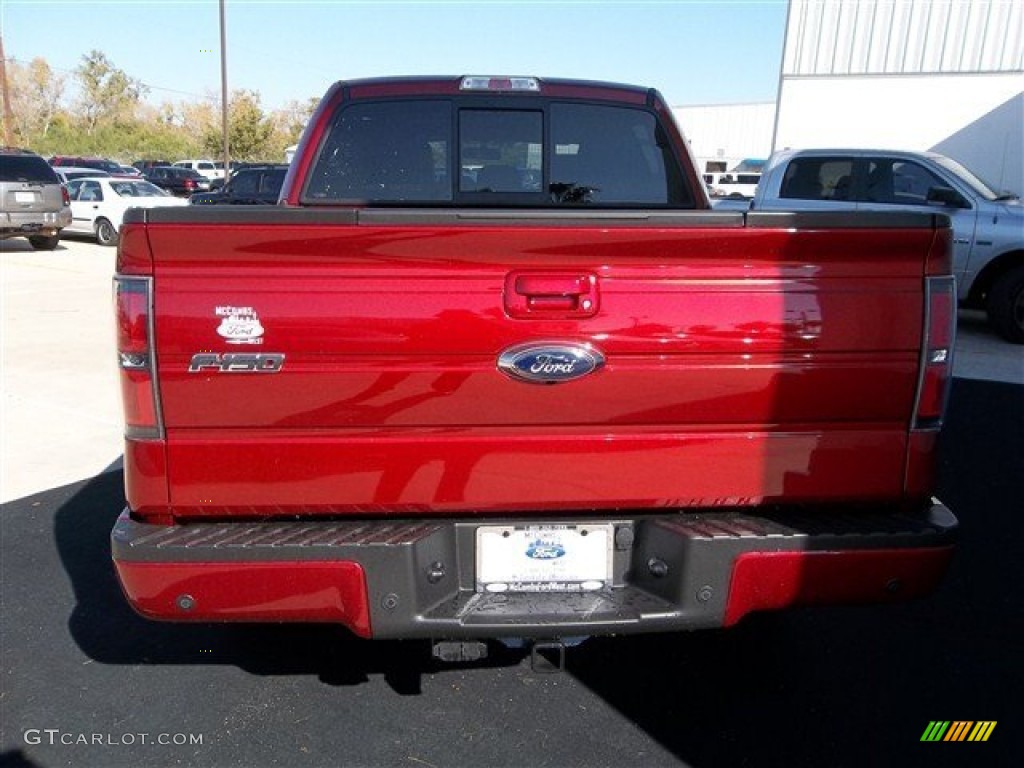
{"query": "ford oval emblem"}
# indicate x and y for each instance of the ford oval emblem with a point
(550, 363)
(545, 550)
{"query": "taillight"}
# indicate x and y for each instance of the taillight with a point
(64, 195)
(936, 364)
(936, 352)
(190, 184)
(133, 300)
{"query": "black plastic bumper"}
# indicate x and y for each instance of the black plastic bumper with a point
(671, 571)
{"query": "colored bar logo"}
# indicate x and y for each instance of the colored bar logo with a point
(958, 730)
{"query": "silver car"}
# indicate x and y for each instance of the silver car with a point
(988, 226)
(33, 202)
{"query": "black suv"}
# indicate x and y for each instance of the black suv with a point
(252, 185)
(33, 202)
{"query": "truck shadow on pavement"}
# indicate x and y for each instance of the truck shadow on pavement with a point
(845, 685)
(107, 630)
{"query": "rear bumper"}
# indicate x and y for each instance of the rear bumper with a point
(15, 223)
(403, 579)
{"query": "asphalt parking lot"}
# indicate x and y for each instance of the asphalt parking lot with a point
(85, 682)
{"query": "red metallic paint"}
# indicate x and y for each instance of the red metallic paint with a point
(145, 479)
(133, 253)
(763, 581)
(741, 362)
(421, 472)
(305, 591)
(920, 482)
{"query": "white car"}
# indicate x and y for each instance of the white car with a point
(98, 204)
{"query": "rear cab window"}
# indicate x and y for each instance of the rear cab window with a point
(526, 152)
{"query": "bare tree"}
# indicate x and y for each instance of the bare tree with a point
(36, 94)
(291, 120)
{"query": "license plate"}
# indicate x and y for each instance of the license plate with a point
(543, 558)
(25, 197)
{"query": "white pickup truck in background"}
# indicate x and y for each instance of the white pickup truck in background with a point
(988, 226)
(206, 168)
(732, 185)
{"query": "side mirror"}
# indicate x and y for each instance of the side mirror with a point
(947, 196)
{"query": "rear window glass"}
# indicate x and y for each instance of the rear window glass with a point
(26, 168)
(136, 189)
(501, 150)
(387, 153)
(611, 155)
(527, 153)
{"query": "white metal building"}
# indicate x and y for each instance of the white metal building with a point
(727, 133)
(940, 75)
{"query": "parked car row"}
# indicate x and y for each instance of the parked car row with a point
(39, 199)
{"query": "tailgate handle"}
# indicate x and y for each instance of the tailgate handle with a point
(546, 294)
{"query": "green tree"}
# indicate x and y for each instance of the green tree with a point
(111, 119)
(108, 93)
(249, 130)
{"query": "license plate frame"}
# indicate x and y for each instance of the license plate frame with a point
(25, 198)
(544, 557)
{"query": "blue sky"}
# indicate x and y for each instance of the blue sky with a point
(694, 51)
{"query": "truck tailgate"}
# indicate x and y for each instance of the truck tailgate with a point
(745, 360)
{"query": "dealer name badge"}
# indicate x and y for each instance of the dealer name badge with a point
(239, 325)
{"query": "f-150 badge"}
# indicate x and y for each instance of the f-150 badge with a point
(239, 325)
(240, 362)
(549, 363)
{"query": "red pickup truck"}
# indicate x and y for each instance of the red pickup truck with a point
(493, 368)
